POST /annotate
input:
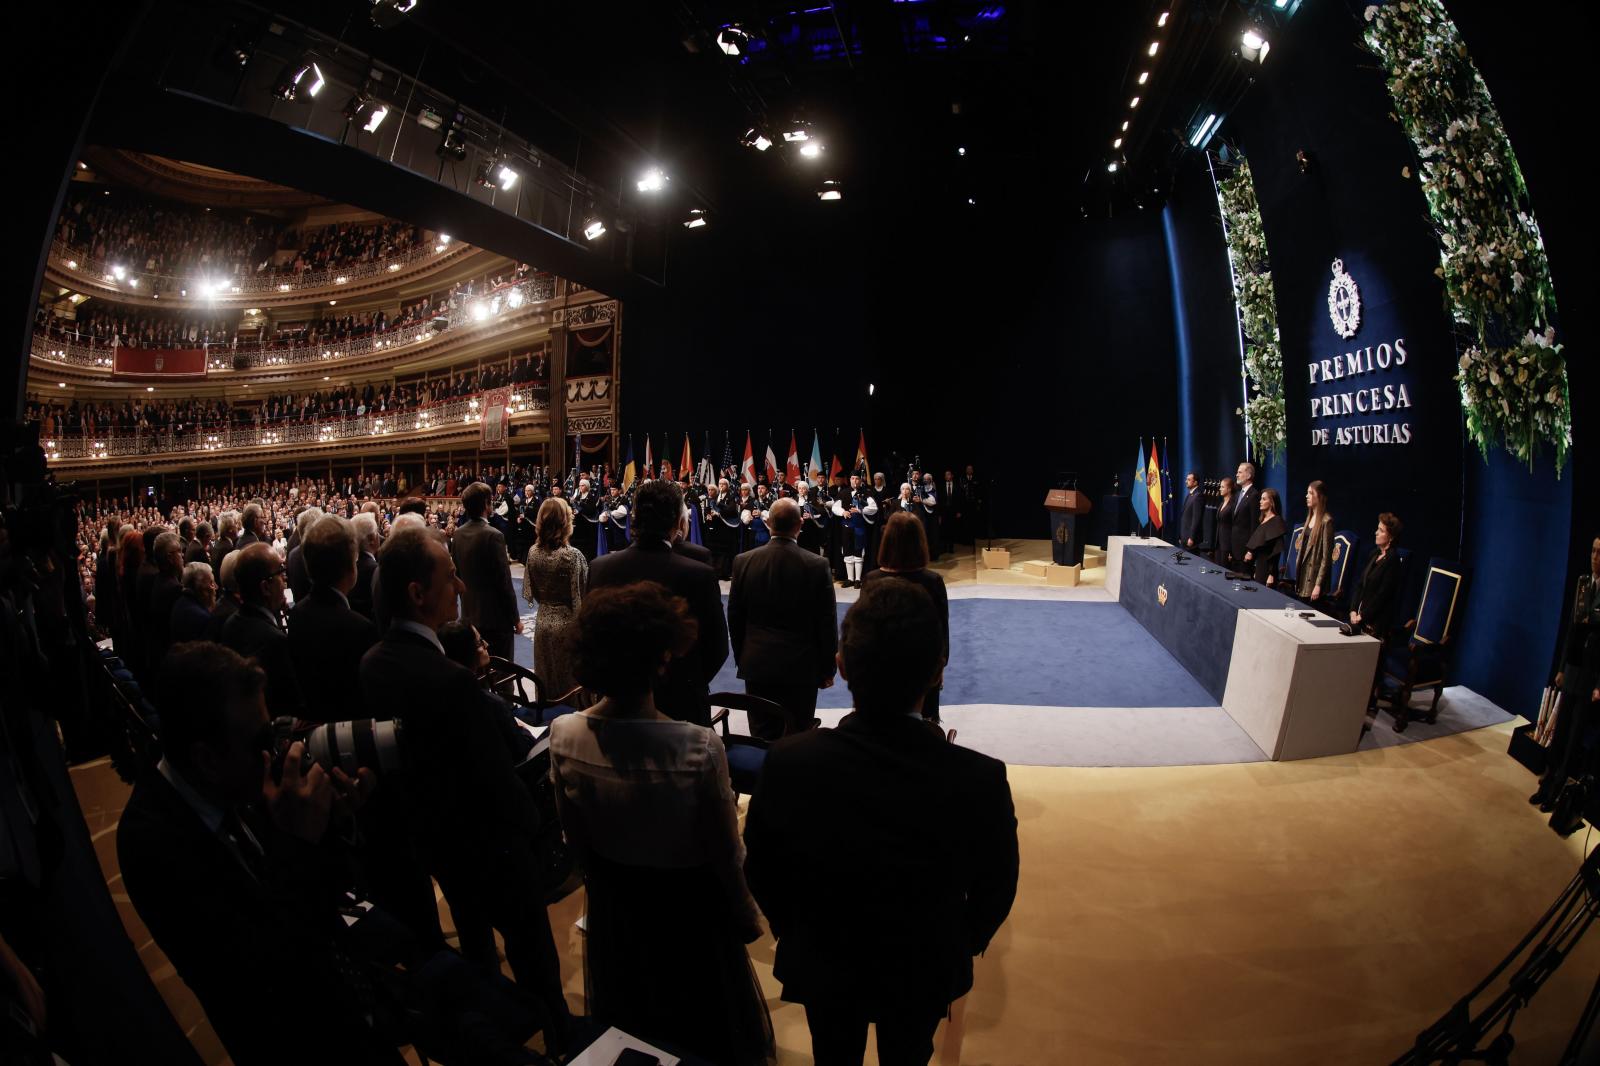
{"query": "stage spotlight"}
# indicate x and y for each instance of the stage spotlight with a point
(304, 74)
(480, 311)
(795, 135)
(1253, 45)
(811, 149)
(1154, 45)
(429, 119)
(497, 175)
(831, 190)
(1117, 143)
(235, 53)
(1112, 167)
(1144, 76)
(367, 111)
(754, 138)
(514, 299)
(119, 272)
(653, 180)
(1204, 132)
(452, 147)
(387, 14)
(697, 219)
(1162, 21)
(733, 41)
(1133, 103)
(961, 152)
(593, 229)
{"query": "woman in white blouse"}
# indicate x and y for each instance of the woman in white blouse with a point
(646, 806)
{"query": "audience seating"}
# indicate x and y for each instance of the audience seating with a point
(746, 754)
(1345, 544)
(1422, 661)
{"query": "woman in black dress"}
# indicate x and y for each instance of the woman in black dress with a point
(1265, 546)
(903, 556)
(1224, 550)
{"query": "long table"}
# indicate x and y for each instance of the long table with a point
(1296, 685)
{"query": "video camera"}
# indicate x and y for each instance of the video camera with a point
(361, 742)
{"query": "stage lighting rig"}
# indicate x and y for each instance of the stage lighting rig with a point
(696, 219)
(653, 180)
(366, 110)
(754, 138)
(497, 174)
(387, 14)
(1253, 43)
(453, 146)
(593, 229)
(811, 149)
(733, 41)
(303, 75)
(831, 190)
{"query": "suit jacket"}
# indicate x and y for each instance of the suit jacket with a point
(158, 618)
(1243, 521)
(489, 602)
(294, 566)
(698, 552)
(247, 539)
(326, 642)
(219, 551)
(245, 938)
(190, 620)
(1193, 524)
(781, 615)
(683, 692)
(227, 606)
(1376, 595)
(196, 553)
(249, 633)
(466, 805)
(927, 831)
(361, 597)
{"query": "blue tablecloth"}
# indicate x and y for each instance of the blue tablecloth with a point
(1196, 621)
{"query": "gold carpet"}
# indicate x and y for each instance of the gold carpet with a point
(1276, 913)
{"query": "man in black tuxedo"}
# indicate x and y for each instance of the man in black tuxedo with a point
(199, 549)
(164, 592)
(1191, 531)
(470, 816)
(479, 550)
(1246, 512)
(254, 631)
(783, 623)
(249, 522)
(326, 637)
(230, 873)
(684, 692)
(365, 525)
(294, 563)
(882, 801)
(225, 542)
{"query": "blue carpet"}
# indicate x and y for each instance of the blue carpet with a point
(1037, 654)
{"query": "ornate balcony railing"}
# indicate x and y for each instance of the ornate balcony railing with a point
(142, 283)
(525, 399)
(474, 312)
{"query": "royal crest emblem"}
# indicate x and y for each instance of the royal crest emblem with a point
(1344, 302)
(1338, 550)
(1161, 595)
(160, 362)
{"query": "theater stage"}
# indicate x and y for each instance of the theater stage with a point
(1047, 676)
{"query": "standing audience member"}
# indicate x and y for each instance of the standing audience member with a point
(164, 592)
(191, 614)
(1223, 552)
(365, 525)
(683, 692)
(294, 563)
(250, 524)
(254, 630)
(1192, 527)
(226, 540)
(553, 579)
(199, 549)
(1578, 680)
(646, 804)
(126, 631)
(1246, 513)
(1264, 549)
(326, 637)
(881, 801)
(227, 597)
(903, 554)
(479, 551)
(1314, 548)
(783, 622)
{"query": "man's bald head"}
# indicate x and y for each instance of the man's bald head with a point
(783, 517)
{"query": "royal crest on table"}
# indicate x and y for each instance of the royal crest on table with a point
(1161, 595)
(1344, 302)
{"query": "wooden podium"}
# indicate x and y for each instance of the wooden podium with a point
(1065, 505)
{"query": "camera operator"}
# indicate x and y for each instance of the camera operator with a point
(471, 816)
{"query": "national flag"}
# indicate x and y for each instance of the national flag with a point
(727, 454)
(791, 472)
(836, 475)
(649, 464)
(815, 469)
(861, 454)
(1153, 477)
(772, 465)
(747, 468)
(629, 473)
(1140, 497)
(686, 465)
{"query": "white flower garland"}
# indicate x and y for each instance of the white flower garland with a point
(1265, 420)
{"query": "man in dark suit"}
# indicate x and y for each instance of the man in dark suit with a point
(164, 592)
(326, 637)
(470, 816)
(1191, 531)
(782, 620)
(191, 614)
(228, 871)
(254, 632)
(365, 525)
(227, 597)
(1246, 512)
(882, 801)
(294, 563)
(684, 546)
(225, 542)
(657, 507)
(250, 523)
(199, 549)
(479, 551)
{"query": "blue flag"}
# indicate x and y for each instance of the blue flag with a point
(1141, 491)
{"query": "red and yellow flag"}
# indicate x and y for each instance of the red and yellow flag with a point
(1152, 479)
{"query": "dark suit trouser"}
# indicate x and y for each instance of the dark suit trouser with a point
(839, 1035)
(501, 644)
(799, 703)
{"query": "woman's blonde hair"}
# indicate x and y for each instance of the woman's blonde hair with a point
(554, 524)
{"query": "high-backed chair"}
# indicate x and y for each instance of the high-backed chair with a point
(535, 704)
(1291, 556)
(746, 754)
(1423, 660)
(1344, 553)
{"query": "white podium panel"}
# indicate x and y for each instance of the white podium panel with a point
(1114, 546)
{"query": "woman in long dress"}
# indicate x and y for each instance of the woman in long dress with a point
(553, 579)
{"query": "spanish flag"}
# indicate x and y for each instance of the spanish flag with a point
(861, 455)
(628, 471)
(1153, 483)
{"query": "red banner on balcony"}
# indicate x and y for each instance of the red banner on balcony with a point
(158, 363)
(495, 416)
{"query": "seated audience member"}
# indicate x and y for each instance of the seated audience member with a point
(881, 801)
(466, 647)
(191, 613)
(164, 592)
(227, 596)
(1264, 548)
(470, 815)
(646, 805)
(254, 630)
(224, 867)
(903, 554)
(1314, 548)
(326, 637)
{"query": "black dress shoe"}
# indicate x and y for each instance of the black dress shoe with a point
(1537, 799)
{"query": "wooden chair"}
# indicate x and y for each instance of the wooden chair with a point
(746, 754)
(1345, 544)
(528, 693)
(1423, 660)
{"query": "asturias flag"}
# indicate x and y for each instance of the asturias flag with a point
(1140, 496)
(628, 471)
(791, 472)
(747, 468)
(1153, 477)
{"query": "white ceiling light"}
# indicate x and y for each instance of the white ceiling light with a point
(1117, 143)
(1154, 45)
(1134, 102)
(594, 229)
(1112, 168)
(795, 135)
(1144, 76)
(653, 180)
(811, 149)
(754, 138)
(831, 190)
(1162, 21)
(697, 219)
